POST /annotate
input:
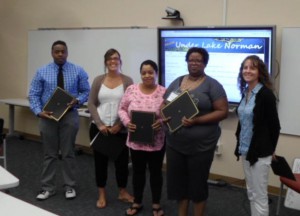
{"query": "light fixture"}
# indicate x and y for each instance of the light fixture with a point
(173, 14)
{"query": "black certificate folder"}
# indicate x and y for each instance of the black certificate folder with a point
(58, 103)
(281, 167)
(144, 133)
(182, 105)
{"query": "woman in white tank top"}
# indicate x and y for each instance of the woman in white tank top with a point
(106, 93)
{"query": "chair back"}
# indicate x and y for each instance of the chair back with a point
(292, 199)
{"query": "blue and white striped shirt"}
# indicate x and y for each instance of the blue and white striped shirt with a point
(44, 84)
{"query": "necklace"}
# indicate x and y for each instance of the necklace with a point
(189, 84)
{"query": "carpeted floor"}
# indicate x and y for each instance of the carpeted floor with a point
(24, 161)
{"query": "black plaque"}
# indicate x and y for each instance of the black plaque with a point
(181, 106)
(280, 167)
(144, 133)
(58, 103)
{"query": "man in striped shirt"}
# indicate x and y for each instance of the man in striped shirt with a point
(58, 135)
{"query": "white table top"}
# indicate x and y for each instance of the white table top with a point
(16, 101)
(25, 103)
(84, 113)
(12, 206)
(7, 180)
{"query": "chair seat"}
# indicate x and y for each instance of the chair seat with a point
(294, 185)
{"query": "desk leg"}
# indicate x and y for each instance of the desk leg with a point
(11, 120)
(11, 127)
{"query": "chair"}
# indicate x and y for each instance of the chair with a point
(2, 144)
(294, 185)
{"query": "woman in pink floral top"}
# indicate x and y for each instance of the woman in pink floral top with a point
(146, 96)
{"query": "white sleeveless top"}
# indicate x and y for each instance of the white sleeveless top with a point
(109, 103)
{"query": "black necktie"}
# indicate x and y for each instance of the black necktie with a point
(60, 77)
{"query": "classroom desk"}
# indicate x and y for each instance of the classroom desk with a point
(7, 180)
(12, 102)
(12, 206)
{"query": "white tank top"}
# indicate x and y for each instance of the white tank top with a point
(109, 103)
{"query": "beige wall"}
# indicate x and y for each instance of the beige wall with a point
(19, 16)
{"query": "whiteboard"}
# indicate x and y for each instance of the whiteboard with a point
(289, 102)
(87, 48)
(292, 199)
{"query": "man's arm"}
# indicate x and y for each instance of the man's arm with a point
(83, 87)
(35, 94)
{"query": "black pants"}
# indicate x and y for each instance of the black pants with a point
(140, 160)
(101, 164)
(187, 175)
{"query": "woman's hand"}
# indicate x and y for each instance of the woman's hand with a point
(157, 125)
(188, 122)
(115, 129)
(131, 127)
(103, 129)
(165, 120)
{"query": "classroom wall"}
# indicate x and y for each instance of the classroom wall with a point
(18, 16)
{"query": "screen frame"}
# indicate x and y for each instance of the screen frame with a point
(272, 28)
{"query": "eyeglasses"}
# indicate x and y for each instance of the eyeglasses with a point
(195, 61)
(113, 59)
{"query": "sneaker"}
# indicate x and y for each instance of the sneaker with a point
(43, 195)
(70, 193)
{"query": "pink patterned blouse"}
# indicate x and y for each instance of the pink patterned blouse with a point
(135, 99)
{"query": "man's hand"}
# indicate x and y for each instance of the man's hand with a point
(73, 103)
(45, 114)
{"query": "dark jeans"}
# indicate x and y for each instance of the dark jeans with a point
(140, 160)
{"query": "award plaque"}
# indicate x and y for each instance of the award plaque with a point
(280, 167)
(182, 105)
(58, 103)
(144, 133)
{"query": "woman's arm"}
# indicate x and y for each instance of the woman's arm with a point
(93, 101)
(220, 112)
(123, 108)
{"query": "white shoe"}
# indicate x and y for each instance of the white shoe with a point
(43, 195)
(70, 193)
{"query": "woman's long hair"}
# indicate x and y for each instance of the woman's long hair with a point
(263, 74)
